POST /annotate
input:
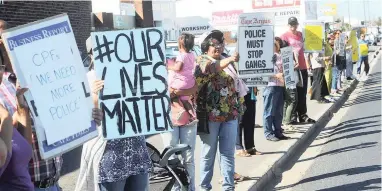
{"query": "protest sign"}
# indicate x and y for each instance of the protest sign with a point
(46, 60)
(135, 99)
(314, 34)
(288, 67)
(256, 44)
(341, 44)
(256, 81)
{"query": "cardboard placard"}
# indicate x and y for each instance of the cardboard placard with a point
(288, 67)
(45, 58)
(314, 34)
(256, 44)
(135, 99)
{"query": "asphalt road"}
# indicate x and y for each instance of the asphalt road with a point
(347, 153)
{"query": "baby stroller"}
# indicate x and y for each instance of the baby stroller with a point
(168, 171)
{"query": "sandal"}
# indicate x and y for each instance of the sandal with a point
(239, 178)
(253, 151)
(307, 119)
(242, 153)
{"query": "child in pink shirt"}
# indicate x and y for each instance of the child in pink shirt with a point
(181, 73)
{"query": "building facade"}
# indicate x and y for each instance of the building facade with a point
(21, 12)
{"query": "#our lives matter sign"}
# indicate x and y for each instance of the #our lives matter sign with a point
(288, 67)
(46, 60)
(135, 99)
(314, 34)
(256, 44)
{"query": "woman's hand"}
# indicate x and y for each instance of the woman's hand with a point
(235, 57)
(97, 115)
(280, 76)
(96, 87)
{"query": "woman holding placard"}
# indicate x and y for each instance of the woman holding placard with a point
(274, 99)
(112, 165)
(219, 104)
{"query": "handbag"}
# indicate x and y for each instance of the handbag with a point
(201, 111)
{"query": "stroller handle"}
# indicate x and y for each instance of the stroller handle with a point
(170, 150)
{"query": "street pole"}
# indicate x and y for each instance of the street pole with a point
(349, 13)
(364, 12)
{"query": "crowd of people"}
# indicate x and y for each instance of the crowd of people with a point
(208, 99)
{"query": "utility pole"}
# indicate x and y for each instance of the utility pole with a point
(349, 11)
(364, 12)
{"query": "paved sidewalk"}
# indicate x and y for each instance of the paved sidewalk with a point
(255, 166)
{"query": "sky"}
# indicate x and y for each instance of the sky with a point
(204, 8)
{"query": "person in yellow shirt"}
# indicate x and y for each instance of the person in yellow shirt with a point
(364, 50)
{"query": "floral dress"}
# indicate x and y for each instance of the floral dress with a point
(223, 102)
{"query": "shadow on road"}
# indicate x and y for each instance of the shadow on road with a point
(346, 172)
(364, 185)
(341, 150)
(370, 91)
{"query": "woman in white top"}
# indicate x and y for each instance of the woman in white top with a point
(319, 85)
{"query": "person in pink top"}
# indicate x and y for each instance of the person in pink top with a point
(181, 78)
(296, 41)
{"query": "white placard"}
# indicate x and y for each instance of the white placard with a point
(288, 67)
(256, 43)
(46, 60)
(256, 81)
(135, 99)
(342, 44)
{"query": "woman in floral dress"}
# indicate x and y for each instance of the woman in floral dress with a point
(223, 93)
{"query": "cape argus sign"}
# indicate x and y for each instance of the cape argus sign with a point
(225, 17)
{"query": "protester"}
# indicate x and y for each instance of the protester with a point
(319, 86)
(221, 92)
(112, 165)
(349, 62)
(5, 138)
(181, 77)
(44, 173)
(247, 124)
(295, 39)
(328, 63)
(274, 99)
(364, 51)
(291, 97)
(339, 64)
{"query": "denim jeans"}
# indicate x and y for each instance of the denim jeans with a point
(273, 110)
(364, 60)
(135, 182)
(349, 69)
(335, 78)
(224, 135)
(183, 135)
(55, 187)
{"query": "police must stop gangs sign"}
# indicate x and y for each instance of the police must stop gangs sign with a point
(135, 99)
(256, 42)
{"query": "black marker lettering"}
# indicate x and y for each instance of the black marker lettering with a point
(156, 45)
(106, 97)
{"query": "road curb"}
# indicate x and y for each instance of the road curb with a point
(274, 174)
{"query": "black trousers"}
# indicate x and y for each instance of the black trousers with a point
(319, 86)
(247, 124)
(301, 94)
